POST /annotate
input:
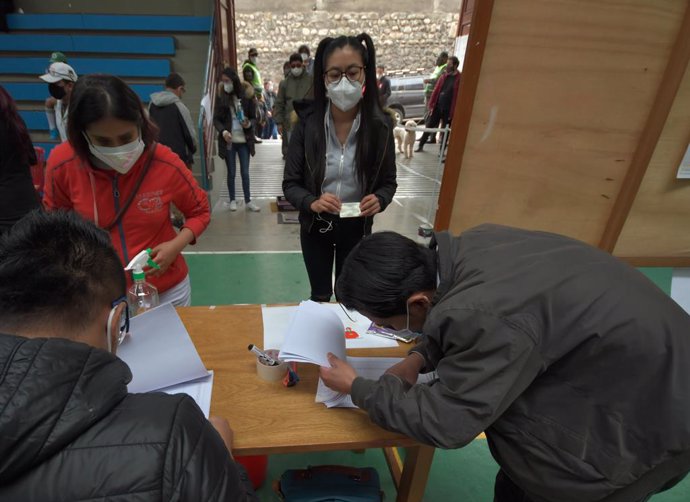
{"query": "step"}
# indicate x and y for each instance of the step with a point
(110, 44)
(100, 22)
(10, 65)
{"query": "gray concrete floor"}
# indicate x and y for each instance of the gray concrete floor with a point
(239, 231)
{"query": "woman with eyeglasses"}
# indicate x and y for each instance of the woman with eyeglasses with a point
(114, 173)
(340, 167)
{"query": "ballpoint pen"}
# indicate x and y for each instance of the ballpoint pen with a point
(262, 355)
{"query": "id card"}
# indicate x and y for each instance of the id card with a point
(350, 210)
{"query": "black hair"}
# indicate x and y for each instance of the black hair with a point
(57, 269)
(295, 57)
(97, 96)
(382, 272)
(443, 54)
(304, 48)
(370, 108)
(252, 50)
(455, 61)
(231, 73)
(245, 70)
(174, 81)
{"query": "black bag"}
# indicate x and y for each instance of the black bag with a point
(331, 483)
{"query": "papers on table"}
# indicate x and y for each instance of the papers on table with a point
(371, 368)
(199, 390)
(160, 354)
(277, 320)
(313, 333)
(680, 287)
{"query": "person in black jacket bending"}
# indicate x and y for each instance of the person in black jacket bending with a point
(68, 428)
(340, 167)
(575, 364)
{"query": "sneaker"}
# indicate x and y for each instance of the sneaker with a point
(232, 205)
(252, 207)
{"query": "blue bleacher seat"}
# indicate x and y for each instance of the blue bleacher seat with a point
(123, 67)
(87, 43)
(100, 22)
(39, 91)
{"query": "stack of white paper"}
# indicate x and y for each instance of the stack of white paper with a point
(371, 368)
(313, 333)
(162, 357)
(277, 319)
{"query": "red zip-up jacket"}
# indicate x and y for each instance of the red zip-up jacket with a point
(72, 183)
(437, 91)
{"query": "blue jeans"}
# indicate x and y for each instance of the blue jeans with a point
(270, 129)
(242, 151)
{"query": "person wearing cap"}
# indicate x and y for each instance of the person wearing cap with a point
(253, 62)
(60, 78)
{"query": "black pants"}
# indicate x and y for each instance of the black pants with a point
(333, 238)
(433, 122)
(507, 491)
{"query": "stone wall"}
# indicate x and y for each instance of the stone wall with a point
(406, 43)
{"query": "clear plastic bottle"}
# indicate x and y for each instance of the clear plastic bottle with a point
(141, 296)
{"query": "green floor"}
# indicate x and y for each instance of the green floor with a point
(464, 475)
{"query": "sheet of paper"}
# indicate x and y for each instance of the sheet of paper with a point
(313, 333)
(199, 390)
(680, 287)
(277, 320)
(371, 368)
(159, 351)
(684, 168)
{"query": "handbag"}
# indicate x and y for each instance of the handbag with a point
(331, 483)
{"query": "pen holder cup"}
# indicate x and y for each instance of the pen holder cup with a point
(271, 373)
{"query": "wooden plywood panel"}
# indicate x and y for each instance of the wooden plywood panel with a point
(659, 220)
(564, 91)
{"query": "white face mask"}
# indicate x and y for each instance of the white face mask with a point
(296, 72)
(120, 158)
(345, 94)
(227, 87)
(305, 56)
(254, 60)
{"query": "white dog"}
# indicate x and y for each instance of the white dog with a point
(405, 137)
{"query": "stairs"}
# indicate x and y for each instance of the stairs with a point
(140, 49)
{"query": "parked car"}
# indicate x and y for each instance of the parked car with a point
(407, 97)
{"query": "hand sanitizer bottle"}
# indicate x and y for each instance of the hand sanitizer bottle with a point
(141, 296)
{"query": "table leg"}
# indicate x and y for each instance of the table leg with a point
(415, 473)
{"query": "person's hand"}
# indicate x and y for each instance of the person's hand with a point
(245, 123)
(339, 376)
(327, 203)
(370, 205)
(164, 254)
(227, 136)
(223, 428)
(269, 114)
(280, 129)
(408, 369)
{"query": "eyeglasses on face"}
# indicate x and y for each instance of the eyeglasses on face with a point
(353, 73)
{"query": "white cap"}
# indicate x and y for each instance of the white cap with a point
(59, 71)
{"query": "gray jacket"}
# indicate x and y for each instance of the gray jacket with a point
(575, 365)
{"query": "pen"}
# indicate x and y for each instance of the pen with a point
(261, 354)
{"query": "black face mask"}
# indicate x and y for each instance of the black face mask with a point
(56, 91)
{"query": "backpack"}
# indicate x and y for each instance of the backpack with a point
(331, 483)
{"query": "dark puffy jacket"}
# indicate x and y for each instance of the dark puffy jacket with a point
(575, 365)
(69, 431)
(305, 168)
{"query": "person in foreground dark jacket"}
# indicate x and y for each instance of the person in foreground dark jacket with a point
(68, 428)
(341, 155)
(575, 364)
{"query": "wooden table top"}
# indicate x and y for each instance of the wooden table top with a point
(268, 417)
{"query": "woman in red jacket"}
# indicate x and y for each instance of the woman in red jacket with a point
(114, 173)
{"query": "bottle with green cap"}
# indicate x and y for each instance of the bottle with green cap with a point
(141, 295)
